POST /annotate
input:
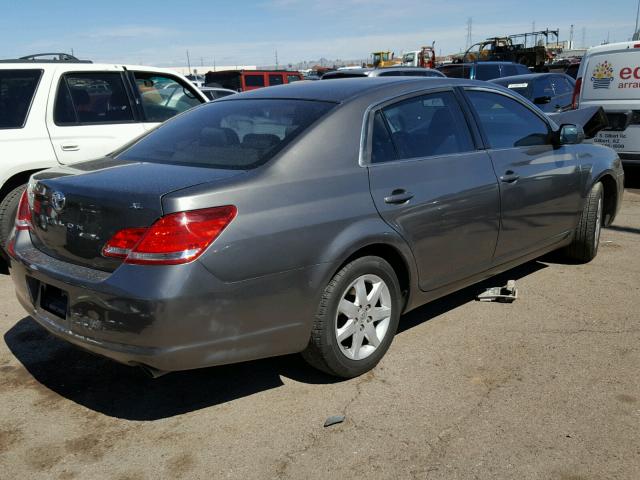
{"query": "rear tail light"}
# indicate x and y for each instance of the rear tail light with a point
(23, 216)
(173, 239)
(576, 94)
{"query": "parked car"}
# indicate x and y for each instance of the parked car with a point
(67, 110)
(214, 93)
(303, 218)
(483, 70)
(551, 92)
(383, 72)
(609, 76)
(244, 80)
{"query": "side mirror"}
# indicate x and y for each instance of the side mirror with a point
(542, 100)
(570, 134)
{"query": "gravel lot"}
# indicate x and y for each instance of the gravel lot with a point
(545, 388)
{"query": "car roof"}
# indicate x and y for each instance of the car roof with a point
(344, 89)
(466, 64)
(614, 46)
(527, 77)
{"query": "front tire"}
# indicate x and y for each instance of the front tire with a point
(356, 320)
(584, 246)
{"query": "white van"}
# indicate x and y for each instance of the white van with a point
(609, 76)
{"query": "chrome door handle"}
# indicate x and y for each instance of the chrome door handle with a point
(70, 148)
(509, 177)
(398, 196)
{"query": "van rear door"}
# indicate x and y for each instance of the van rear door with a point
(611, 79)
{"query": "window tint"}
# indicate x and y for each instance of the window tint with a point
(456, 71)
(487, 72)
(507, 123)
(87, 98)
(231, 135)
(542, 88)
(561, 86)
(382, 149)
(292, 78)
(163, 96)
(276, 79)
(17, 88)
(428, 125)
(254, 80)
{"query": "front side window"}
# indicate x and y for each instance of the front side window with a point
(428, 125)
(163, 96)
(276, 79)
(239, 134)
(507, 123)
(253, 80)
(92, 98)
(17, 88)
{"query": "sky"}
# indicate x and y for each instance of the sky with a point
(248, 32)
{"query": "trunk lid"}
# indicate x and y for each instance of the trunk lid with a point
(76, 210)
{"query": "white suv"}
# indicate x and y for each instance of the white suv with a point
(67, 110)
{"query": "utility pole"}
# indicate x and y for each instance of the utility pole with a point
(584, 38)
(571, 38)
(469, 42)
(188, 62)
(276, 59)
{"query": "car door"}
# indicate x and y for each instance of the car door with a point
(539, 182)
(90, 114)
(161, 96)
(431, 184)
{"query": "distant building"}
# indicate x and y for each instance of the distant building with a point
(201, 70)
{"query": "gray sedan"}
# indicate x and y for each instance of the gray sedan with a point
(303, 218)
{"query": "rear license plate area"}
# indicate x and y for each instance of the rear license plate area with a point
(54, 300)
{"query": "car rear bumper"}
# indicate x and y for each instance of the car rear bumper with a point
(171, 317)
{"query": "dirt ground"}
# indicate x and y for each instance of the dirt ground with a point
(545, 388)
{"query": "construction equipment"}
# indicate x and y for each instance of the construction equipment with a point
(425, 57)
(384, 59)
(505, 49)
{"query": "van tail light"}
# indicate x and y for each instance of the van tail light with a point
(173, 239)
(23, 216)
(575, 100)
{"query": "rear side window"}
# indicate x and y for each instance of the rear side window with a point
(254, 80)
(456, 71)
(17, 88)
(428, 125)
(276, 79)
(292, 78)
(507, 123)
(382, 149)
(487, 72)
(163, 96)
(92, 98)
(240, 134)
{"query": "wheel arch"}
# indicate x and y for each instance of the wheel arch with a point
(15, 180)
(609, 196)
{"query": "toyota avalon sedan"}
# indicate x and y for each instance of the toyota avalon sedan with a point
(303, 218)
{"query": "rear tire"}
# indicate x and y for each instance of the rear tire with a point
(8, 210)
(584, 246)
(356, 320)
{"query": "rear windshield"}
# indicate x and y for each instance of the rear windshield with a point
(16, 92)
(234, 134)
